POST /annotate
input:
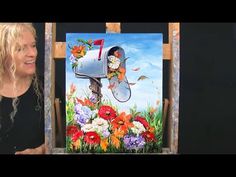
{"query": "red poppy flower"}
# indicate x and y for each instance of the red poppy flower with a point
(71, 129)
(92, 138)
(76, 136)
(107, 112)
(148, 136)
(142, 121)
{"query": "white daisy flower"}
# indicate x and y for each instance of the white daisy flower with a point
(138, 127)
(88, 128)
(100, 125)
(114, 62)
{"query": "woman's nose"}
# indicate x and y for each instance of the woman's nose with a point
(32, 52)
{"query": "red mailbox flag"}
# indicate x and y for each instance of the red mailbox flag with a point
(99, 42)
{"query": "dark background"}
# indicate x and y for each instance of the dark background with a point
(207, 118)
(208, 85)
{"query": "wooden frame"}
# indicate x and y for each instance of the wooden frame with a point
(57, 50)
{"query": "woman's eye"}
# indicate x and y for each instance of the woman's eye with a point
(19, 49)
(22, 49)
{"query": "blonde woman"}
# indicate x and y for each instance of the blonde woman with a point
(21, 99)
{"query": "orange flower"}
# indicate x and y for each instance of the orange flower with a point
(118, 133)
(76, 144)
(86, 102)
(121, 74)
(78, 51)
(104, 143)
(122, 122)
(115, 141)
(151, 129)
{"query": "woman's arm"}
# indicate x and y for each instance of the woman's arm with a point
(38, 150)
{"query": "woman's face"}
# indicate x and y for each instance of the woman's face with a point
(25, 57)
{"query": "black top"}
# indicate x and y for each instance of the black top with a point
(27, 130)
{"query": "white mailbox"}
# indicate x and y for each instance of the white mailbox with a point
(106, 65)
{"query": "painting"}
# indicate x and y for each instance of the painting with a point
(114, 92)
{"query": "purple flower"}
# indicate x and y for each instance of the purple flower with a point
(105, 133)
(93, 99)
(134, 142)
(80, 119)
(82, 114)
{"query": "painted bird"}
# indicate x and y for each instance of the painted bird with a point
(142, 78)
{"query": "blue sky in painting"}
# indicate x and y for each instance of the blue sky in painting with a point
(144, 51)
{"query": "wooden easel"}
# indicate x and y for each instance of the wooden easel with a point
(57, 50)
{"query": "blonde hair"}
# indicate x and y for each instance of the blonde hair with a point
(10, 34)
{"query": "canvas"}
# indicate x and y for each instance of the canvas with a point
(114, 92)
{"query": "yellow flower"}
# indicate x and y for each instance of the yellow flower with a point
(104, 143)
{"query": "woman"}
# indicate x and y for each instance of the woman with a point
(21, 100)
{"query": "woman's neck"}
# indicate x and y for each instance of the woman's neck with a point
(14, 87)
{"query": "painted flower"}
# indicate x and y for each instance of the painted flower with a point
(93, 99)
(122, 122)
(107, 112)
(104, 143)
(134, 142)
(114, 62)
(105, 133)
(83, 114)
(92, 138)
(86, 102)
(80, 119)
(71, 129)
(138, 128)
(121, 74)
(143, 121)
(76, 145)
(88, 128)
(100, 125)
(78, 51)
(77, 135)
(149, 136)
